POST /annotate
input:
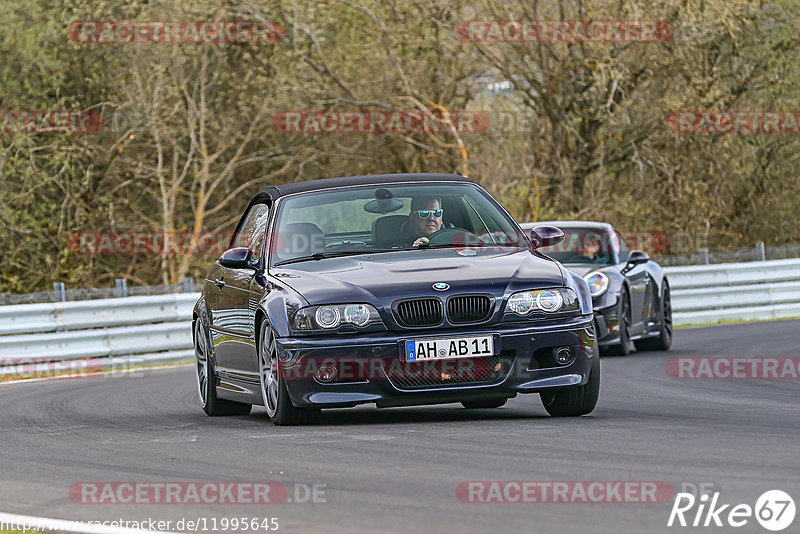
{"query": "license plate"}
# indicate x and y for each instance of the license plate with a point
(449, 348)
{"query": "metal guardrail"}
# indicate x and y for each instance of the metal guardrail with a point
(152, 330)
(97, 343)
(59, 316)
(757, 290)
(62, 293)
(705, 256)
(103, 334)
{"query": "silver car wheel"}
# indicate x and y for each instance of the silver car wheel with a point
(268, 370)
(201, 363)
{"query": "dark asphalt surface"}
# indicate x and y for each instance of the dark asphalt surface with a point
(396, 470)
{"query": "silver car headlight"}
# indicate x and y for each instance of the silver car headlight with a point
(332, 316)
(598, 283)
(555, 300)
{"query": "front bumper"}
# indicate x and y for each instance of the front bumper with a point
(370, 368)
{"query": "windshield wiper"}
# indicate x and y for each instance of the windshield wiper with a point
(333, 254)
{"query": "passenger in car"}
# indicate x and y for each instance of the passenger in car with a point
(593, 249)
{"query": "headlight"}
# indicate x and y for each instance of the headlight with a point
(328, 316)
(549, 300)
(357, 314)
(598, 283)
(521, 303)
(556, 300)
(332, 316)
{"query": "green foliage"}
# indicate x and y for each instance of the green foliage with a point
(188, 134)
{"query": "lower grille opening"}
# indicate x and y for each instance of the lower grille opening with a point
(543, 359)
(350, 371)
(446, 373)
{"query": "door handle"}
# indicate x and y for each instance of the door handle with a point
(220, 282)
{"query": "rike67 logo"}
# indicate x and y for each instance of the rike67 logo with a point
(774, 510)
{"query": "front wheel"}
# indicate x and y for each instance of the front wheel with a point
(623, 348)
(207, 380)
(575, 401)
(280, 409)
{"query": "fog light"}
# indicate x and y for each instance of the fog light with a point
(563, 355)
(326, 372)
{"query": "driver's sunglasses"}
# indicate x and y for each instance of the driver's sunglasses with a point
(424, 214)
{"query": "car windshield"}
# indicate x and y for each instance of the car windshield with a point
(373, 219)
(587, 245)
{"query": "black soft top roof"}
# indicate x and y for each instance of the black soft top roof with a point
(327, 183)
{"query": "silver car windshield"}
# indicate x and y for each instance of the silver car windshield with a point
(585, 246)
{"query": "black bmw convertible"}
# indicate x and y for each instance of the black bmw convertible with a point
(395, 290)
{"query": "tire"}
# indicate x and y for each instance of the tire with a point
(207, 380)
(663, 341)
(623, 348)
(484, 404)
(280, 409)
(575, 401)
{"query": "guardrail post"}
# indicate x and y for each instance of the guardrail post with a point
(760, 252)
(60, 291)
(188, 284)
(703, 256)
(122, 287)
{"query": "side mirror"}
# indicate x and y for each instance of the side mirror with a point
(546, 236)
(636, 257)
(237, 258)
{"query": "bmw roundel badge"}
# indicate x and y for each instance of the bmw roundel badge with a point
(441, 286)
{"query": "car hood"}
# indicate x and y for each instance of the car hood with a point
(582, 269)
(382, 278)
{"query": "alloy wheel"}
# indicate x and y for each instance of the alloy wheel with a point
(268, 370)
(667, 318)
(201, 363)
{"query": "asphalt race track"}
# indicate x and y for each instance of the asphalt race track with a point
(396, 470)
